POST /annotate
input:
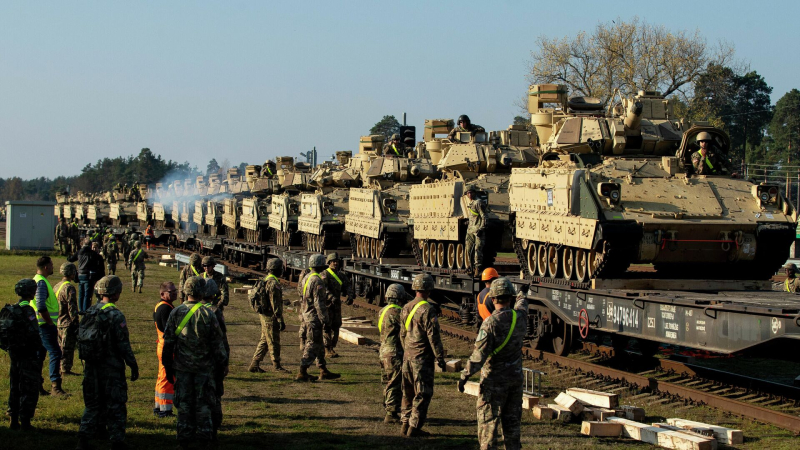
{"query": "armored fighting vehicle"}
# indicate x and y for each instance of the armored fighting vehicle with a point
(97, 212)
(283, 219)
(438, 208)
(617, 186)
(162, 215)
(213, 215)
(199, 216)
(231, 210)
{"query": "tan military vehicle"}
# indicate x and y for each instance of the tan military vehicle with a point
(254, 219)
(176, 213)
(283, 219)
(186, 216)
(98, 212)
(144, 213)
(231, 211)
(213, 215)
(322, 219)
(438, 208)
(199, 215)
(617, 186)
(162, 215)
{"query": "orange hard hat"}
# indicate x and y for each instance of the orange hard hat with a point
(489, 274)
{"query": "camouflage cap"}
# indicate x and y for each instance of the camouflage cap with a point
(274, 264)
(68, 269)
(25, 288)
(395, 291)
(209, 261)
(195, 259)
(332, 256)
(422, 282)
(195, 287)
(108, 285)
(501, 286)
(211, 288)
(316, 260)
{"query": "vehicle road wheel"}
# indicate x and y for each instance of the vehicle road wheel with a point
(460, 255)
(553, 266)
(568, 263)
(424, 249)
(440, 255)
(581, 265)
(541, 260)
(532, 258)
(451, 256)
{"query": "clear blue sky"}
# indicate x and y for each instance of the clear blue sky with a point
(247, 80)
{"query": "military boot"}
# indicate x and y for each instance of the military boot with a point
(331, 353)
(14, 422)
(391, 418)
(303, 375)
(278, 367)
(140, 289)
(56, 390)
(324, 374)
(25, 424)
(416, 432)
(42, 390)
(404, 429)
(133, 288)
(255, 367)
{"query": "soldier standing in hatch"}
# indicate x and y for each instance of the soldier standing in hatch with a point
(193, 348)
(105, 391)
(271, 315)
(26, 355)
(110, 252)
(394, 148)
(67, 296)
(193, 269)
(336, 282)
(707, 161)
(315, 321)
(498, 351)
(463, 124)
(422, 345)
(221, 299)
(136, 263)
(476, 230)
(792, 283)
(391, 353)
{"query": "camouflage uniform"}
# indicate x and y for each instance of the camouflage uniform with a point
(471, 128)
(188, 271)
(221, 299)
(192, 355)
(391, 354)
(423, 348)
(110, 255)
(315, 319)
(219, 371)
(67, 296)
(25, 372)
(476, 233)
(75, 235)
(105, 390)
(270, 325)
(62, 236)
(398, 150)
(137, 267)
(791, 284)
(500, 400)
(333, 302)
(717, 164)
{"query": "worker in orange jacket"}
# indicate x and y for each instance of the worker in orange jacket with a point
(165, 391)
(485, 305)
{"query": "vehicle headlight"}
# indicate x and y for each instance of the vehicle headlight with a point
(612, 191)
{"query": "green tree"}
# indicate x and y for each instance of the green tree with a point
(386, 126)
(784, 129)
(213, 166)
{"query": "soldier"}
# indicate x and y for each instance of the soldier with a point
(707, 161)
(220, 372)
(792, 283)
(315, 321)
(391, 353)
(75, 235)
(136, 262)
(485, 306)
(193, 348)
(62, 237)
(221, 299)
(46, 307)
(193, 269)
(165, 390)
(268, 170)
(422, 346)
(67, 295)
(105, 391)
(26, 353)
(500, 342)
(110, 251)
(476, 230)
(394, 148)
(336, 282)
(150, 237)
(270, 311)
(463, 124)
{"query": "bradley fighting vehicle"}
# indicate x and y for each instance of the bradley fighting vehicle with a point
(285, 207)
(438, 208)
(378, 216)
(616, 186)
(97, 211)
(246, 212)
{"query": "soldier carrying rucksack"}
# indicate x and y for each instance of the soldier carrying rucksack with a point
(19, 336)
(266, 299)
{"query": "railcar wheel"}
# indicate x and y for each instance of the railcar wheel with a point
(531, 258)
(541, 260)
(440, 255)
(460, 255)
(568, 263)
(562, 337)
(451, 256)
(425, 253)
(553, 266)
(581, 265)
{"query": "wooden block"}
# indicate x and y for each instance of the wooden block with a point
(727, 436)
(529, 401)
(700, 438)
(630, 413)
(684, 441)
(587, 415)
(351, 337)
(561, 413)
(166, 256)
(601, 429)
(570, 402)
(699, 431)
(472, 388)
(241, 290)
(353, 321)
(361, 329)
(637, 430)
(354, 318)
(247, 286)
(602, 414)
(595, 398)
(454, 365)
(543, 413)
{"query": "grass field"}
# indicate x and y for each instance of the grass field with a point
(270, 410)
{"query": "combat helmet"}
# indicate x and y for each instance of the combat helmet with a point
(790, 266)
(108, 286)
(395, 137)
(195, 287)
(316, 260)
(195, 259)
(68, 269)
(275, 265)
(422, 282)
(209, 261)
(703, 136)
(395, 291)
(501, 287)
(332, 256)
(25, 288)
(463, 118)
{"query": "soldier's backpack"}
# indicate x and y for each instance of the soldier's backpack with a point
(259, 300)
(14, 327)
(93, 334)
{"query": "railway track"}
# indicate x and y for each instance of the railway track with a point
(668, 381)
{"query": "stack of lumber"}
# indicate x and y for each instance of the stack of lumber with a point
(167, 261)
(576, 404)
(473, 388)
(245, 289)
